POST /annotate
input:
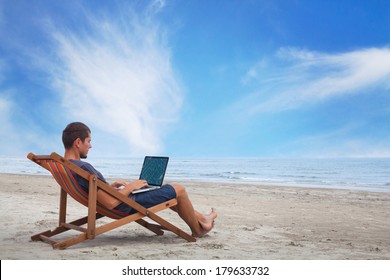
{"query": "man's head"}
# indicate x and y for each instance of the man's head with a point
(77, 135)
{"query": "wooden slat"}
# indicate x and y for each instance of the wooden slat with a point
(92, 201)
(157, 229)
(74, 227)
(62, 212)
(33, 157)
(171, 227)
(48, 239)
(71, 241)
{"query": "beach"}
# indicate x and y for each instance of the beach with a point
(254, 222)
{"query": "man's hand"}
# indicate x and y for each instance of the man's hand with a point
(136, 184)
(119, 185)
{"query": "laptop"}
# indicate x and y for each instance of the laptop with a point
(153, 171)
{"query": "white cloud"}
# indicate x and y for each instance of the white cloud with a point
(303, 77)
(5, 108)
(18, 134)
(8, 133)
(340, 142)
(118, 77)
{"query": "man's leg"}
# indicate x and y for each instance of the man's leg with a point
(199, 224)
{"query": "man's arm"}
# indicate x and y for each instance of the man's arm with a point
(111, 202)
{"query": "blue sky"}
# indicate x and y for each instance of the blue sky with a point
(266, 78)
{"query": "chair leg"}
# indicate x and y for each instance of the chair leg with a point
(92, 200)
(46, 236)
(157, 229)
(168, 226)
(63, 204)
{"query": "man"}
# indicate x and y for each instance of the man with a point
(76, 138)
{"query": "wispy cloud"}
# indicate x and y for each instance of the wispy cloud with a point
(341, 142)
(300, 77)
(5, 109)
(118, 77)
(9, 141)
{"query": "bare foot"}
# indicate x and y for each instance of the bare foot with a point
(207, 223)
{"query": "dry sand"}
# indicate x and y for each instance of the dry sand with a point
(254, 222)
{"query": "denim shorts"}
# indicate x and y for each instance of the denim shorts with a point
(149, 199)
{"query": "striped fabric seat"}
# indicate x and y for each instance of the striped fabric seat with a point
(68, 183)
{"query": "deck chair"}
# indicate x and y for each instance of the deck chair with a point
(62, 171)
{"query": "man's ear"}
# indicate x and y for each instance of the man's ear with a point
(77, 142)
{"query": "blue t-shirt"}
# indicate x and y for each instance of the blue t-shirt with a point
(90, 169)
(84, 184)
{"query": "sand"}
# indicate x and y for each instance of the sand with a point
(254, 222)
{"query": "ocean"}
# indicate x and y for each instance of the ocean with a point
(370, 174)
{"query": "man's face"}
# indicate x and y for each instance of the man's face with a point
(85, 146)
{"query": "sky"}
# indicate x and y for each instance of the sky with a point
(197, 78)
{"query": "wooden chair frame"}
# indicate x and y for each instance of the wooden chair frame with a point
(96, 210)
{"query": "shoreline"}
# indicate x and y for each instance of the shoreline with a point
(254, 222)
(222, 182)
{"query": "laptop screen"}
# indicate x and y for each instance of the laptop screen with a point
(153, 170)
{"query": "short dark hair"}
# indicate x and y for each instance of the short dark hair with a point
(73, 131)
